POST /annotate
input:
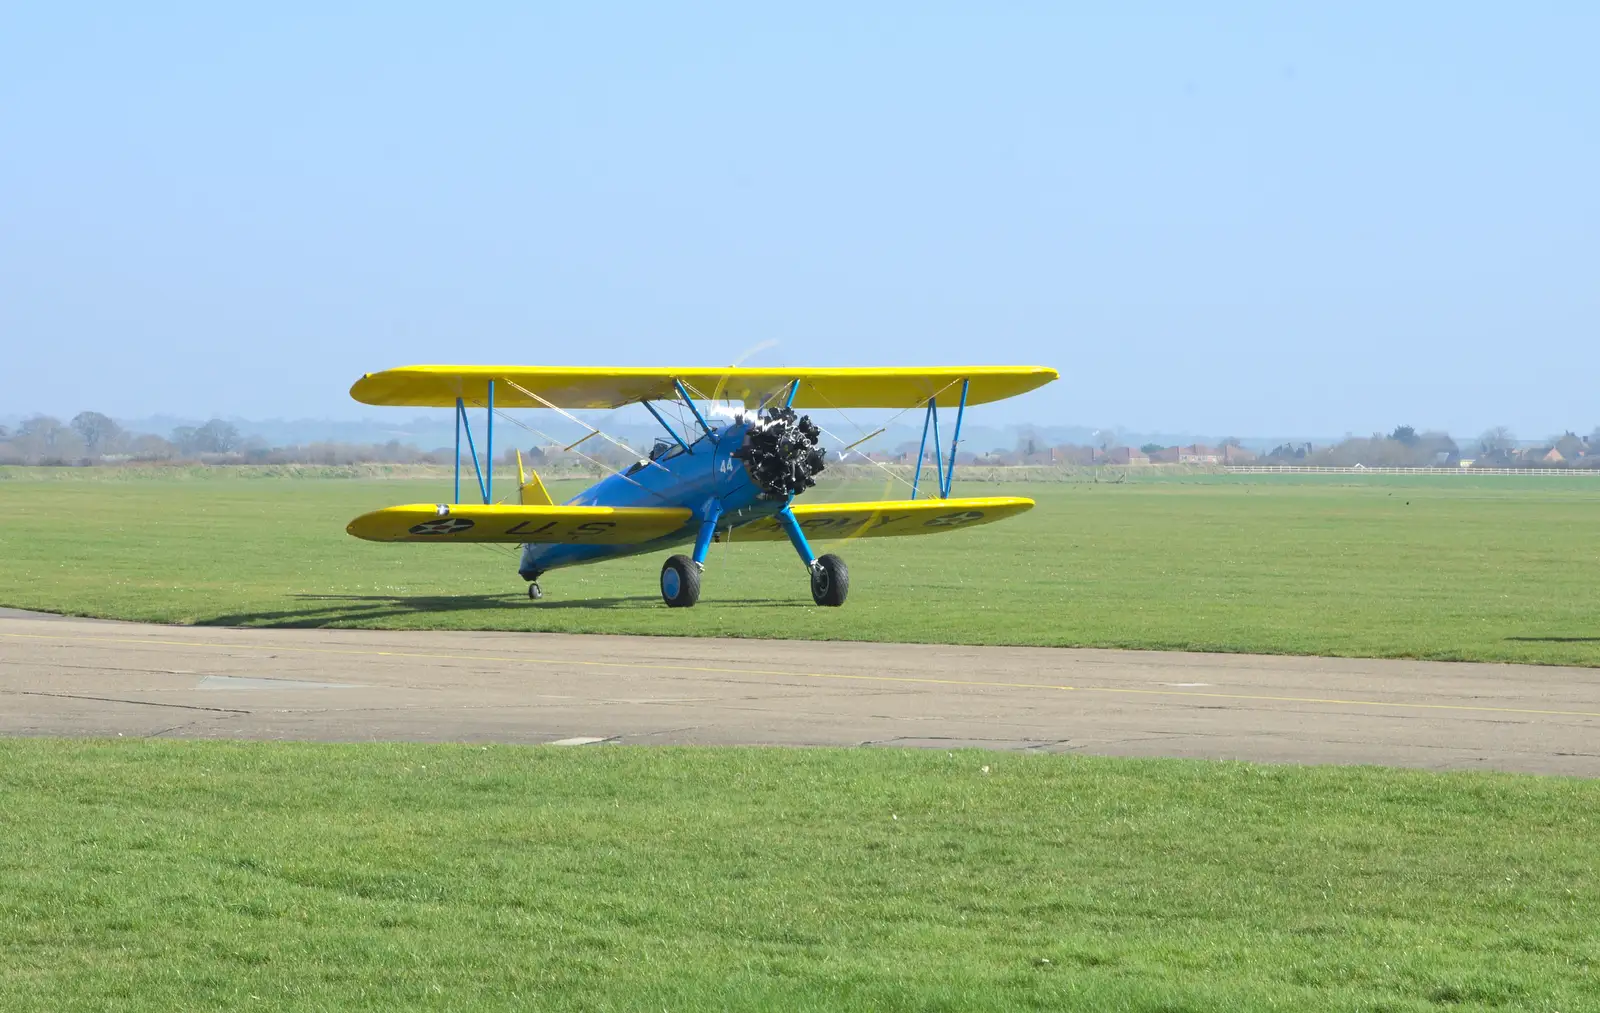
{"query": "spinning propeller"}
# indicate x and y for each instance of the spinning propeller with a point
(780, 449)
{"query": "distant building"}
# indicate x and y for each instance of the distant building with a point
(1571, 446)
(1125, 455)
(1166, 455)
(1199, 453)
(1499, 457)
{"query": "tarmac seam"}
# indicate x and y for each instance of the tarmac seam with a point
(114, 699)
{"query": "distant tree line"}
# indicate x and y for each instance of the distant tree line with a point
(1404, 447)
(92, 438)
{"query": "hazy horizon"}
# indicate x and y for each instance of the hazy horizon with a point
(430, 429)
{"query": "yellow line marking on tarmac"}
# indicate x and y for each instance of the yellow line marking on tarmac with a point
(914, 679)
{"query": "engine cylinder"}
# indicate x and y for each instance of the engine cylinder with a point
(781, 454)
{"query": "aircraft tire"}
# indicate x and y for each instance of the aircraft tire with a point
(680, 582)
(830, 581)
(534, 593)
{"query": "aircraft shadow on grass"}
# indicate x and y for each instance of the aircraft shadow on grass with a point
(1556, 640)
(345, 609)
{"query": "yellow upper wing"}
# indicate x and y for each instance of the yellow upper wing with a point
(497, 522)
(609, 387)
(890, 517)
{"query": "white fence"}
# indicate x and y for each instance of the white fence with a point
(1307, 469)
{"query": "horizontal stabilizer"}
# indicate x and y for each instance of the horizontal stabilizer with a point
(500, 522)
(890, 517)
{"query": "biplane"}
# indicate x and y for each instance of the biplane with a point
(734, 476)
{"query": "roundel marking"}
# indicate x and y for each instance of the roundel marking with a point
(442, 526)
(954, 520)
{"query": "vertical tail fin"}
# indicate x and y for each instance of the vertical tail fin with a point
(533, 491)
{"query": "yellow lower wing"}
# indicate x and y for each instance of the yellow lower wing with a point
(590, 525)
(890, 517)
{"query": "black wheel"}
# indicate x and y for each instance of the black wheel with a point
(680, 582)
(534, 592)
(830, 580)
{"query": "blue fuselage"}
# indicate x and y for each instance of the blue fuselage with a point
(705, 478)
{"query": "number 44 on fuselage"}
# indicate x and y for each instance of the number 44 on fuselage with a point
(730, 478)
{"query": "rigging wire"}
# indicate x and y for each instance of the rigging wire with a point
(497, 548)
(562, 411)
(501, 412)
(883, 467)
(852, 423)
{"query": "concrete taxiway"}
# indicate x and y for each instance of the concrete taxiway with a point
(77, 677)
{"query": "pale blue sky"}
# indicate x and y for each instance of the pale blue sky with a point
(1247, 219)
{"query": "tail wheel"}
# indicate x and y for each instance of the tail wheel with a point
(830, 580)
(680, 582)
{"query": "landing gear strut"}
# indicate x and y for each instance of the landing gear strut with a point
(830, 579)
(680, 575)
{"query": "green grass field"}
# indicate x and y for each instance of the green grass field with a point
(1493, 568)
(172, 875)
(169, 876)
